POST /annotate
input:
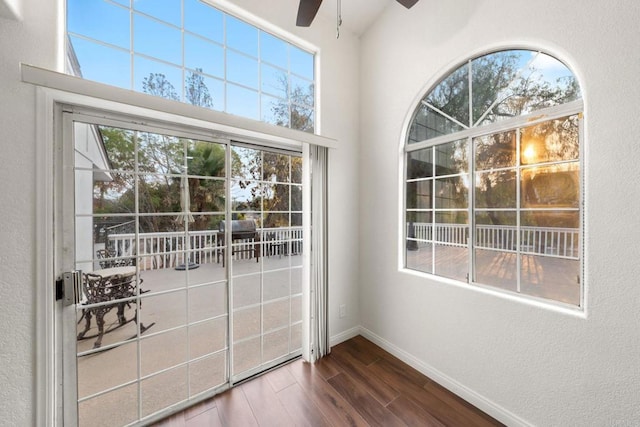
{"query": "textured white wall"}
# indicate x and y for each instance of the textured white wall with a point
(33, 40)
(544, 367)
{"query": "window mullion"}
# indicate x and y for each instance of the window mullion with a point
(471, 209)
(518, 222)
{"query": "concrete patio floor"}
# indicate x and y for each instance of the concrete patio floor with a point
(185, 349)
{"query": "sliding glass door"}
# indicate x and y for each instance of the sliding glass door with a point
(185, 253)
(266, 189)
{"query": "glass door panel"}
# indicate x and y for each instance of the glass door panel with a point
(265, 258)
(151, 322)
(190, 253)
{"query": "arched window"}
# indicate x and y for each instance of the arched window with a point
(493, 179)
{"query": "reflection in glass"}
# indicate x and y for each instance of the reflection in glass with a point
(175, 50)
(496, 189)
(301, 91)
(445, 109)
(275, 111)
(420, 163)
(157, 78)
(451, 193)
(451, 158)
(302, 118)
(419, 194)
(274, 81)
(495, 151)
(511, 83)
(551, 186)
(551, 141)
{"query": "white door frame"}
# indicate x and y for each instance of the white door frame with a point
(49, 318)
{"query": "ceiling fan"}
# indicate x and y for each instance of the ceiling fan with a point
(308, 8)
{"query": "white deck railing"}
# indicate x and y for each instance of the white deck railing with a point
(554, 242)
(170, 249)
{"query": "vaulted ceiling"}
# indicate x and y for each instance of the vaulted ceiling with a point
(357, 15)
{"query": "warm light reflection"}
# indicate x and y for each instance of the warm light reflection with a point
(529, 154)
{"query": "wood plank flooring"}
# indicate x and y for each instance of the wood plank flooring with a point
(358, 384)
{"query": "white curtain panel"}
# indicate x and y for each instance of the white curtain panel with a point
(319, 273)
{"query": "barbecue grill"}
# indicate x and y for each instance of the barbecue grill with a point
(242, 230)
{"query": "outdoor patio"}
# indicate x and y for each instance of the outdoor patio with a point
(182, 349)
(544, 276)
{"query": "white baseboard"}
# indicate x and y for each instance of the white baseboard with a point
(343, 336)
(477, 400)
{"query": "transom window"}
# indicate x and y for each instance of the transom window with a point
(189, 51)
(493, 177)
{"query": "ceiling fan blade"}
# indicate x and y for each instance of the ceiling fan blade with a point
(407, 3)
(307, 11)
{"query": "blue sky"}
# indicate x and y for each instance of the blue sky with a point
(121, 46)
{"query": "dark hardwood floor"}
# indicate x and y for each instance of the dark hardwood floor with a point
(358, 384)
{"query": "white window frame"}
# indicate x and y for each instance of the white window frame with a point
(230, 10)
(539, 116)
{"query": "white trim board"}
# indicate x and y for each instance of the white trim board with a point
(223, 122)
